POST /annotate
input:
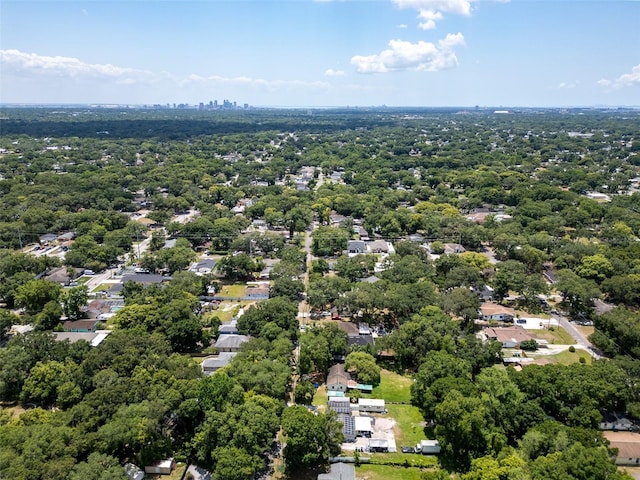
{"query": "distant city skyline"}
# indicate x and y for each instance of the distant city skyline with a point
(305, 53)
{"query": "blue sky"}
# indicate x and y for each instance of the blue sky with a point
(322, 53)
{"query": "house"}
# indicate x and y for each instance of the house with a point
(204, 266)
(360, 340)
(453, 248)
(628, 446)
(340, 405)
(65, 237)
(355, 247)
(214, 363)
(374, 405)
(145, 279)
(231, 343)
(378, 246)
(428, 447)
(230, 328)
(617, 422)
(338, 379)
(510, 337)
(133, 472)
(47, 237)
(163, 467)
(339, 471)
(257, 293)
(493, 311)
(61, 275)
(84, 326)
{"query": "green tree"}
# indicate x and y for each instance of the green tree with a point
(364, 366)
(34, 294)
(74, 300)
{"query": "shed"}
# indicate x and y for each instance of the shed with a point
(376, 405)
(163, 467)
(428, 447)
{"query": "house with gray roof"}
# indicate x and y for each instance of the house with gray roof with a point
(231, 343)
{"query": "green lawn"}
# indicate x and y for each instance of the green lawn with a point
(555, 335)
(392, 388)
(385, 472)
(404, 459)
(103, 287)
(409, 429)
(320, 397)
(566, 357)
(235, 290)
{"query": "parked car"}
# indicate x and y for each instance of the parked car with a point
(408, 450)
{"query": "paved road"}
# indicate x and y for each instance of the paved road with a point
(577, 335)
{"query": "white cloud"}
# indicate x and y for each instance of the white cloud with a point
(626, 80)
(34, 65)
(403, 25)
(420, 56)
(568, 85)
(429, 17)
(17, 62)
(334, 73)
(430, 11)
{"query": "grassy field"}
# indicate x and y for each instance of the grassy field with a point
(320, 397)
(555, 336)
(567, 357)
(385, 472)
(235, 290)
(392, 388)
(409, 429)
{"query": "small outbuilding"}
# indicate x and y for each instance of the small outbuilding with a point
(163, 467)
(428, 447)
(374, 405)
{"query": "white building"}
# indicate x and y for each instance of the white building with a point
(375, 405)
